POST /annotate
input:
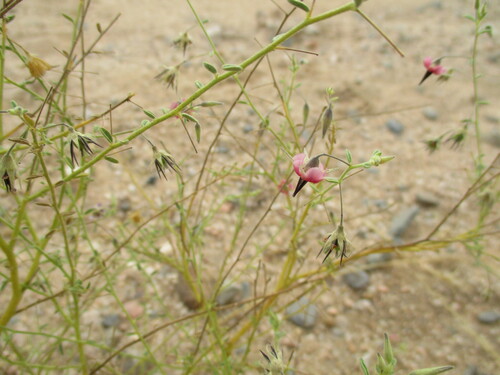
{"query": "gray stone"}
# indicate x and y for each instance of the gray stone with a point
(110, 320)
(425, 199)
(354, 115)
(493, 137)
(395, 126)
(494, 57)
(472, 370)
(363, 305)
(381, 204)
(233, 293)
(124, 204)
(378, 258)
(222, 149)
(488, 317)
(430, 113)
(493, 119)
(357, 280)
(248, 128)
(302, 313)
(151, 180)
(338, 332)
(402, 221)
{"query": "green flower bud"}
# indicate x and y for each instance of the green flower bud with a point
(8, 171)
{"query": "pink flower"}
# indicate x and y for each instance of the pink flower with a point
(308, 170)
(433, 67)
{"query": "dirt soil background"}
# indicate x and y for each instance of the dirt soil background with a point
(429, 303)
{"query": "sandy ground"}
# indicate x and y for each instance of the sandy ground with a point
(428, 303)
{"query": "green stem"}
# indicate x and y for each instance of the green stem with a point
(379, 30)
(2, 68)
(475, 77)
(15, 284)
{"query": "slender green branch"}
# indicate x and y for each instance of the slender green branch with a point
(379, 30)
(475, 84)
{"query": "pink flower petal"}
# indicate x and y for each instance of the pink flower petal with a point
(298, 161)
(428, 62)
(438, 70)
(315, 175)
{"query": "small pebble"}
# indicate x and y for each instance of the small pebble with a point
(357, 280)
(134, 309)
(471, 370)
(488, 317)
(378, 258)
(151, 180)
(430, 113)
(354, 115)
(395, 126)
(381, 204)
(402, 221)
(493, 138)
(233, 293)
(166, 249)
(302, 313)
(247, 128)
(363, 305)
(338, 332)
(227, 207)
(110, 320)
(124, 204)
(425, 199)
(222, 149)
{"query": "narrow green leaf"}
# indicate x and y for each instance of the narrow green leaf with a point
(68, 18)
(470, 18)
(149, 113)
(232, 68)
(210, 104)
(348, 156)
(431, 370)
(299, 4)
(364, 368)
(210, 68)
(198, 84)
(106, 134)
(305, 113)
(111, 160)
